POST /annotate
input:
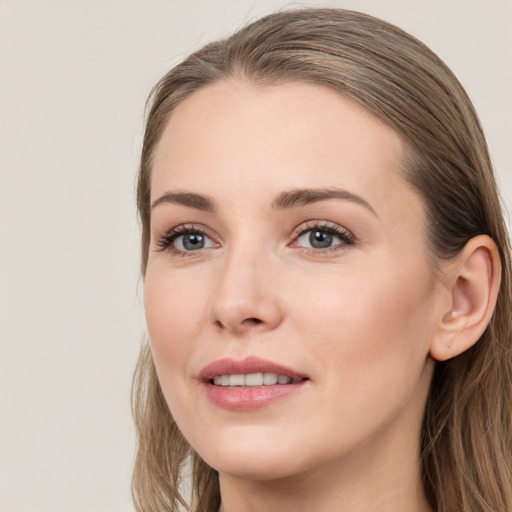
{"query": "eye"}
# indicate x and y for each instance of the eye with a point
(322, 237)
(317, 239)
(192, 242)
(185, 239)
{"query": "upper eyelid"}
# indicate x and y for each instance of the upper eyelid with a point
(301, 228)
(191, 227)
(320, 224)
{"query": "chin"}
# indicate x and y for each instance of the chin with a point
(255, 470)
(251, 455)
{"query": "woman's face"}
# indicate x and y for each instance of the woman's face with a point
(286, 245)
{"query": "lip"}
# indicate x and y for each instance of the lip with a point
(248, 365)
(248, 398)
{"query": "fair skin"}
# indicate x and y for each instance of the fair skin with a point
(338, 287)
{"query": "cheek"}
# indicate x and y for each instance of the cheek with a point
(368, 339)
(370, 323)
(174, 310)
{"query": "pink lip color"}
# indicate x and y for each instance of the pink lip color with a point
(247, 398)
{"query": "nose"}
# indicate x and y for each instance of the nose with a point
(246, 296)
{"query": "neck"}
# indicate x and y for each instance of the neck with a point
(383, 476)
(379, 489)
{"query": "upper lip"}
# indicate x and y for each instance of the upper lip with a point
(246, 366)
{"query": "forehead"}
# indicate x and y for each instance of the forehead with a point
(235, 137)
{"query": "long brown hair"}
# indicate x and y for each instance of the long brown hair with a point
(467, 430)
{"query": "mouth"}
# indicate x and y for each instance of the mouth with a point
(249, 384)
(249, 372)
(254, 380)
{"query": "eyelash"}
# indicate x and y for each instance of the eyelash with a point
(345, 236)
(166, 241)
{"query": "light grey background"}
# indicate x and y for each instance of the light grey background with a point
(74, 76)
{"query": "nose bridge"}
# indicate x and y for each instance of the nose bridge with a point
(245, 297)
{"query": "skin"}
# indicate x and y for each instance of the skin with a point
(358, 318)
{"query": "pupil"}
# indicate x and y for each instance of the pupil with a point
(193, 241)
(320, 239)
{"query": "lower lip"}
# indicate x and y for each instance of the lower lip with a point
(249, 398)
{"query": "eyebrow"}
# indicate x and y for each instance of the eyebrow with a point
(188, 199)
(285, 200)
(302, 197)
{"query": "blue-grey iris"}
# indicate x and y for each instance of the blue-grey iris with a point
(193, 241)
(320, 239)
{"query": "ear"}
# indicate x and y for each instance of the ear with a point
(472, 279)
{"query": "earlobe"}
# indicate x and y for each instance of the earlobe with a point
(473, 279)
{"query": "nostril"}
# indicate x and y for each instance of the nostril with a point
(247, 323)
(255, 321)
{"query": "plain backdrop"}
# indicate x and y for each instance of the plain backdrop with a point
(74, 76)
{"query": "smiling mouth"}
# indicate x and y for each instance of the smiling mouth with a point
(254, 380)
(249, 384)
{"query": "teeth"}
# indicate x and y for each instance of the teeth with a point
(253, 379)
(237, 380)
(269, 379)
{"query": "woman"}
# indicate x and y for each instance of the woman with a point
(327, 279)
